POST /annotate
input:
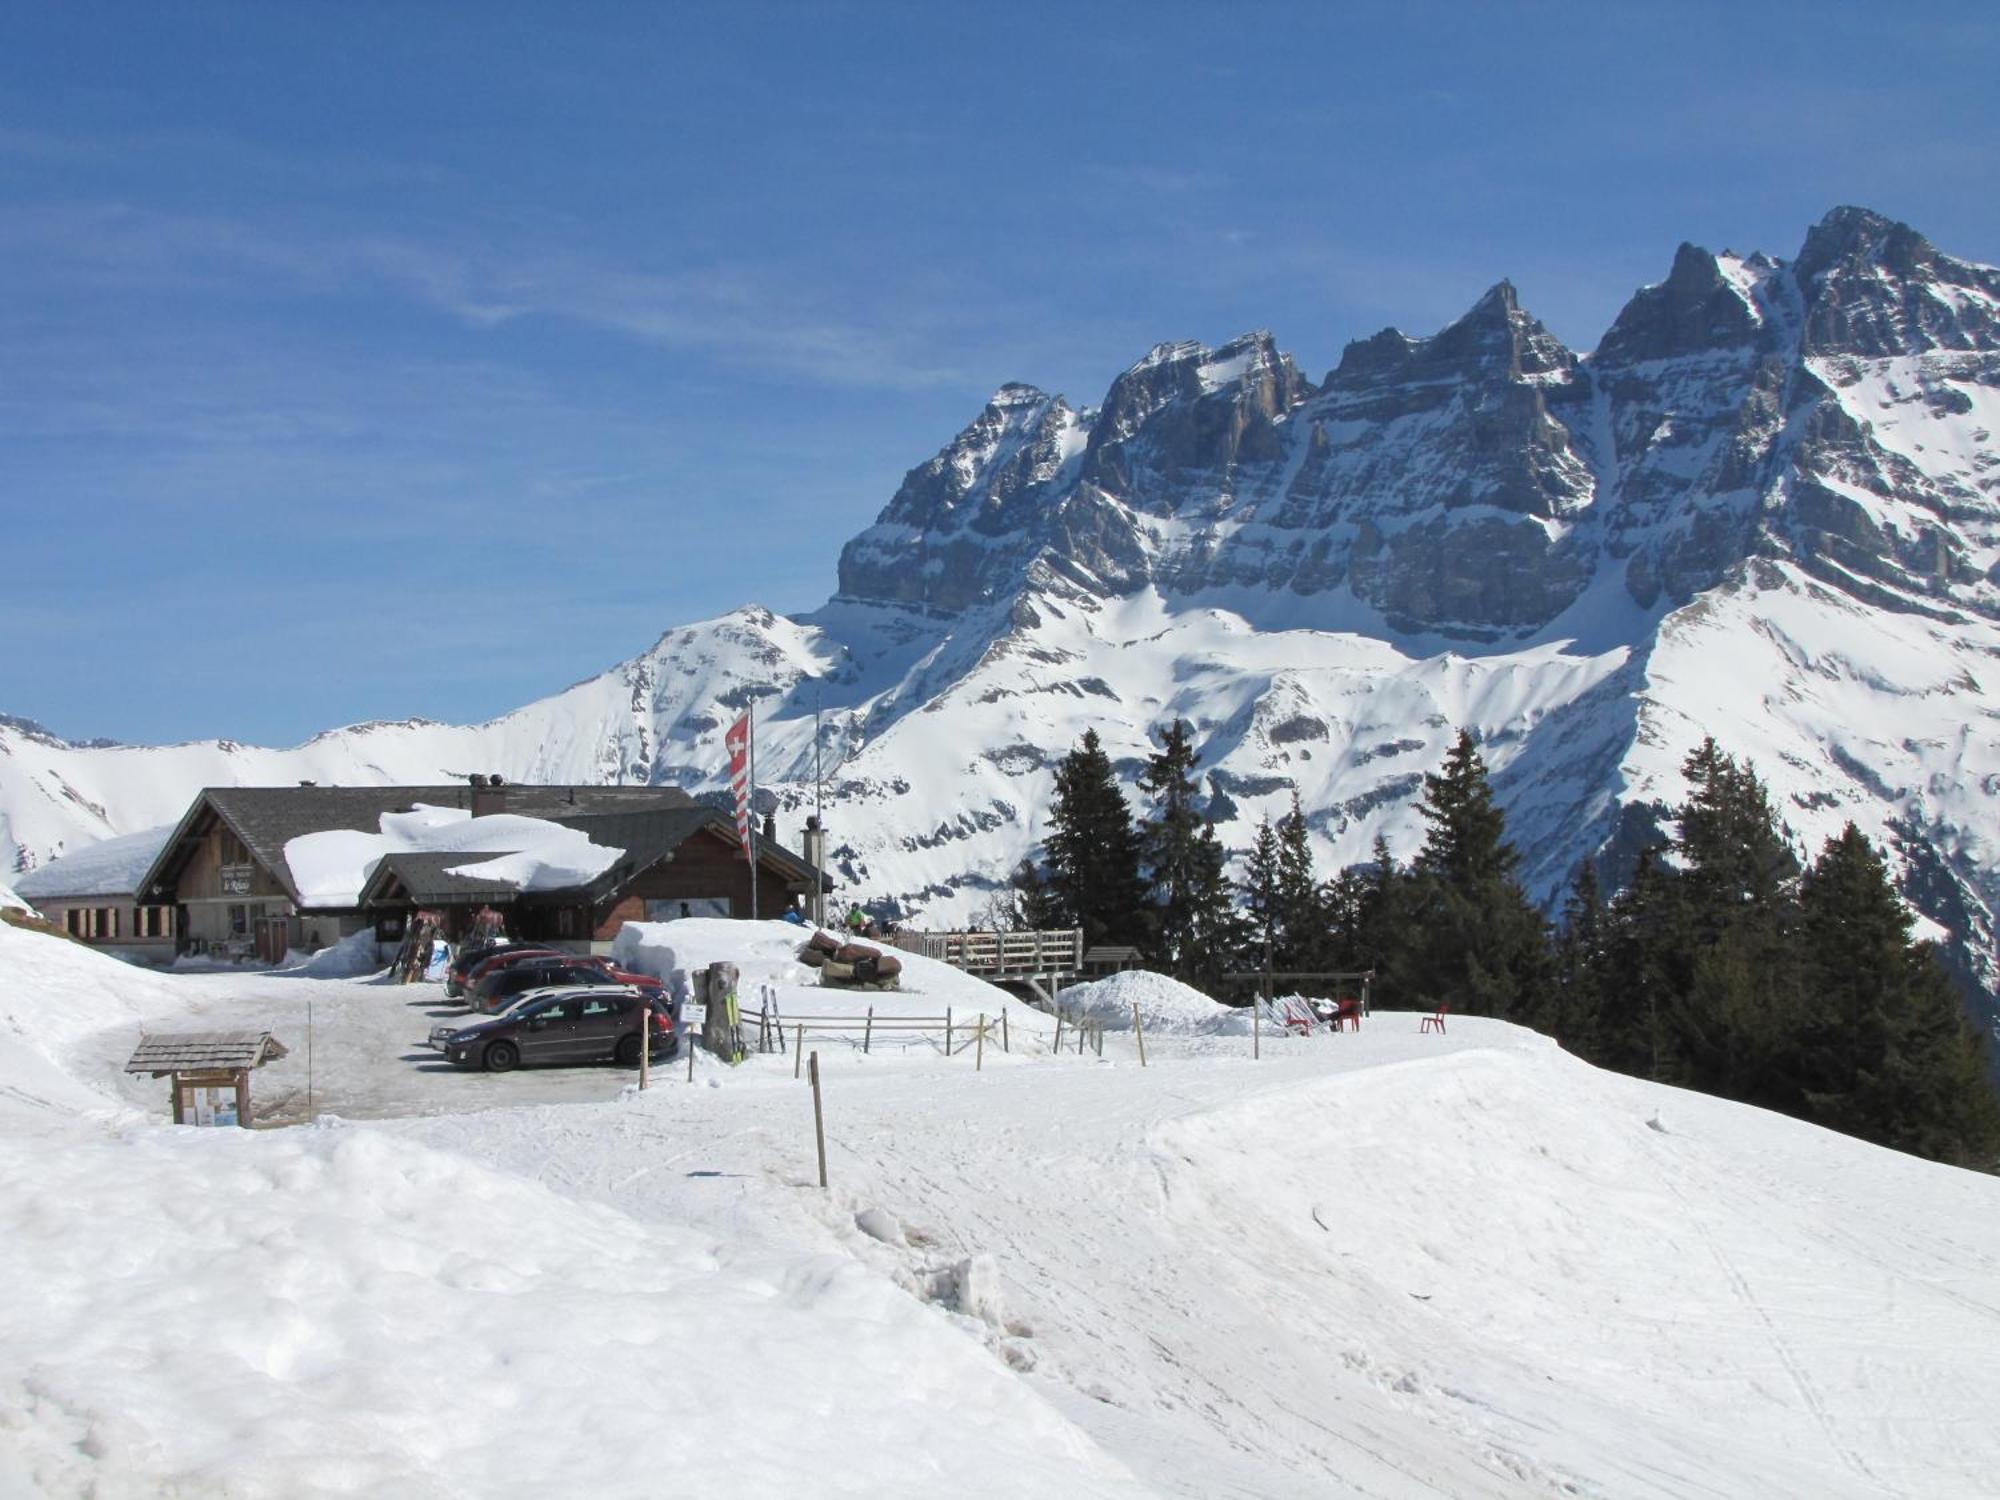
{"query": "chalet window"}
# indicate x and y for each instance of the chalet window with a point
(231, 849)
(566, 924)
(239, 921)
(76, 921)
(107, 922)
(153, 921)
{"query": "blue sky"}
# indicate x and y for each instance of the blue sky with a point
(361, 361)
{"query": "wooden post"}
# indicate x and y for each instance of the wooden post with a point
(979, 1056)
(798, 1047)
(645, 1043)
(947, 1031)
(688, 1042)
(1059, 1026)
(1139, 1029)
(819, 1120)
(1256, 1028)
(309, 1059)
(1006, 1043)
(868, 1031)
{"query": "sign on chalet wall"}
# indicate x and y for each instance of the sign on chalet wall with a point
(238, 879)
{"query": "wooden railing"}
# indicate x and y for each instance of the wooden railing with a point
(1001, 955)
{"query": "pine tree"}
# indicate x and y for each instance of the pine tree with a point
(1645, 948)
(1737, 1007)
(1219, 934)
(1577, 989)
(1302, 923)
(1171, 842)
(1484, 947)
(1031, 904)
(1886, 1053)
(1263, 910)
(1093, 851)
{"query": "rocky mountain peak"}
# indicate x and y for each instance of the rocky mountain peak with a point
(1874, 288)
(1497, 336)
(1700, 307)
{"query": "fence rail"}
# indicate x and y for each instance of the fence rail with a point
(1000, 955)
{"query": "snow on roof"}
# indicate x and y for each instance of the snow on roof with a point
(331, 867)
(109, 868)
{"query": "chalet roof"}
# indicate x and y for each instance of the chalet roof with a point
(110, 867)
(204, 1051)
(647, 838)
(266, 818)
(425, 877)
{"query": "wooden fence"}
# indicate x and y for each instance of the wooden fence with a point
(1001, 955)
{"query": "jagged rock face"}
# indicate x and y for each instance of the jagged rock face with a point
(962, 525)
(1476, 482)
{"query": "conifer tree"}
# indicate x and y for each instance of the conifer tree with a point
(1302, 924)
(1885, 1051)
(1171, 843)
(1264, 913)
(1484, 947)
(1219, 935)
(1738, 1005)
(1577, 988)
(1093, 851)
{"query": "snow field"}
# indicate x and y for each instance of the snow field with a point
(1384, 1263)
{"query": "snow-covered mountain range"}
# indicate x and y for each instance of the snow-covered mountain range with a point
(1766, 507)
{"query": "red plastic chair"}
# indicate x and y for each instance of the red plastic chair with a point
(1347, 1015)
(1436, 1020)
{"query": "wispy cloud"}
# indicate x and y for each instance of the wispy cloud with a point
(771, 317)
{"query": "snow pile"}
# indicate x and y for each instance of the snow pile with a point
(1166, 1004)
(110, 868)
(330, 867)
(352, 957)
(342, 1312)
(11, 902)
(763, 952)
(767, 953)
(54, 996)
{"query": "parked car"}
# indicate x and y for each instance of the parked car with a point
(566, 1026)
(468, 956)
(501, 958)
(445, 1030)
(498, 986)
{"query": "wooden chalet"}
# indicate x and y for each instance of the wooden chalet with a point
(675, 862)
(224, 874)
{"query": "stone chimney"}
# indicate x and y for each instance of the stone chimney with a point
(489, 795)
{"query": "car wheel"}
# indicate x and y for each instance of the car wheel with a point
(628, 1050)
(502, 1057)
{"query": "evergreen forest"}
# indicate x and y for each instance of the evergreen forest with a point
(1723, 964)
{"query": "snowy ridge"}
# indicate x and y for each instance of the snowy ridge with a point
(1766, 506)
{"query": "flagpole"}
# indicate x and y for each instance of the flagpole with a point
(753, 809)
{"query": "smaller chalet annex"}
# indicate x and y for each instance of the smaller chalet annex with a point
(225, 872)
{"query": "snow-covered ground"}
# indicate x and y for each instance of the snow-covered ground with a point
(1382, 1263)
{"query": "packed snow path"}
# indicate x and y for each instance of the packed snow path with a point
(1382, 1264)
